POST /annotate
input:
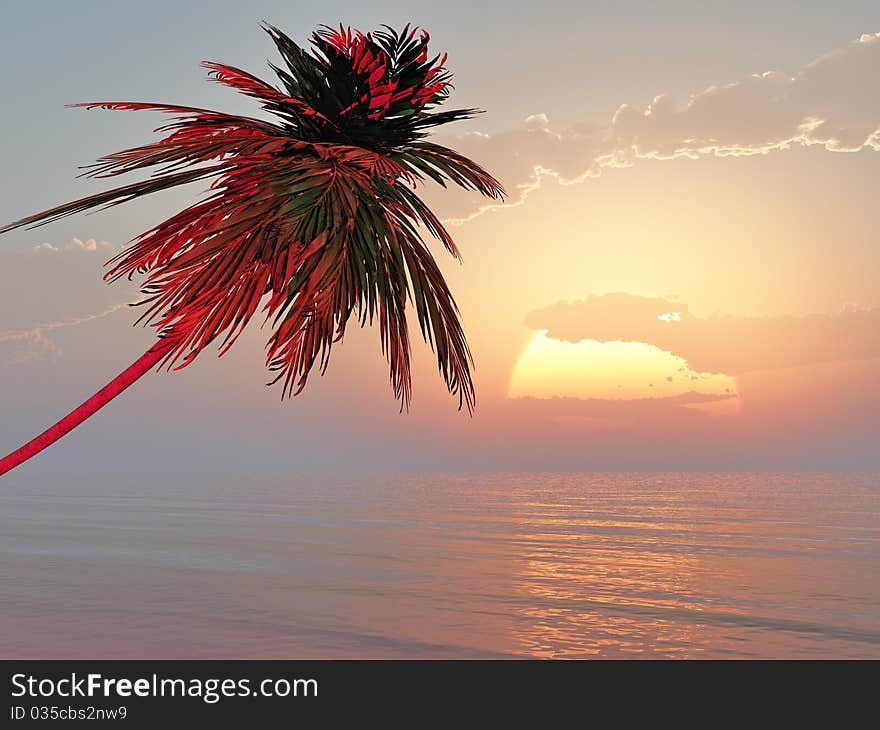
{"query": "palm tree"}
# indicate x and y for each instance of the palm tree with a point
(314, 211)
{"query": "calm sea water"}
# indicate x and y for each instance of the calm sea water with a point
(529, 565)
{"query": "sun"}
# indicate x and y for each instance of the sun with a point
(614, 370)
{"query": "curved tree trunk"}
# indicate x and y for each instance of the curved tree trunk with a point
(134, 371)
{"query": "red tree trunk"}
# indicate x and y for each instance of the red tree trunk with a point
(134, 371)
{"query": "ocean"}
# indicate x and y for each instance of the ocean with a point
(549, 565)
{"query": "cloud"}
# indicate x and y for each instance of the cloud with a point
(51, 286)
(90, 246)
(76, 244)
(728, 344)
(537, 121)
(831, 102)
(29, 345)
(613, 406)
(635, 414)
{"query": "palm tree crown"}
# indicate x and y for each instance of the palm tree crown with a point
(315, 210)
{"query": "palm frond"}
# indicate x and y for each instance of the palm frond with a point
(314, 215)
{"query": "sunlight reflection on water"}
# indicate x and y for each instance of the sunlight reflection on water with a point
(541, 565)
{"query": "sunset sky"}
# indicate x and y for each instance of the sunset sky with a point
(683, 277)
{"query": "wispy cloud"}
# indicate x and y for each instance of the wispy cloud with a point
(32, 344)
(831, 102)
